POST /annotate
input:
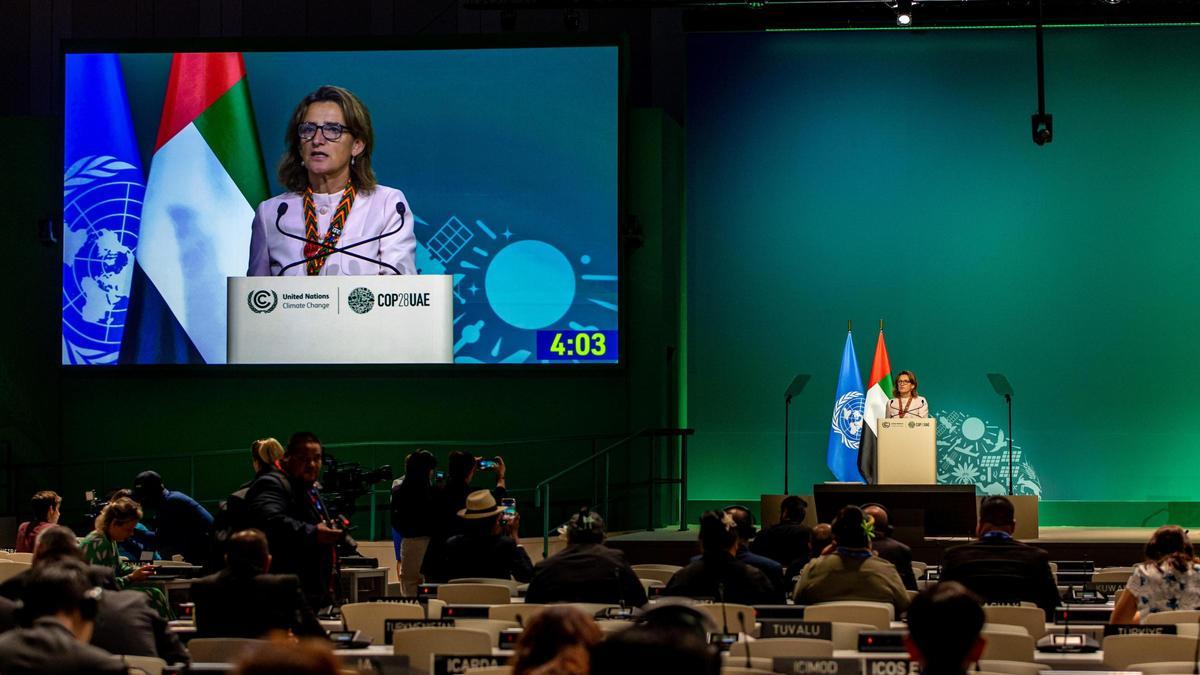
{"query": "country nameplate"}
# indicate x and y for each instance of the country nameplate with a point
(811, 666)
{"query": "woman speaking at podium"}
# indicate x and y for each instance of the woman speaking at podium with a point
(332, 200)
(905, 402)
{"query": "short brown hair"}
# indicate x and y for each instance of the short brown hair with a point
(119, 510)
(549, 632)
(1170, 544)
(293, 175)
(42, 503)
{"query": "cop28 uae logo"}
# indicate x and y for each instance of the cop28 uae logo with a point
(361, 300)
(262, 302)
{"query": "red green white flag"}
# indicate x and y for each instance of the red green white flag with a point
(879, 390)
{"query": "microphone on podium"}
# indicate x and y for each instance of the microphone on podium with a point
(326, 250)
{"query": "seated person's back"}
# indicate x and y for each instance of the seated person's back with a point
(486, 547)
(787, 542)
(586, 570)
(242, 600)
(851, 572)
(717, 574)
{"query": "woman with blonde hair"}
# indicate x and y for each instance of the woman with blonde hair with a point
(265, 452)
(116, 523)
(334, 219)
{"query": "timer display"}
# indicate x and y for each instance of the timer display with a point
(577, 345)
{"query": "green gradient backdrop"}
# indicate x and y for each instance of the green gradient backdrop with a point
(837, 176)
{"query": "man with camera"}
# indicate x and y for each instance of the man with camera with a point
(451, 497)
(287, 507)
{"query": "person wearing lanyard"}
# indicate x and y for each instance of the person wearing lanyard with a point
(905, 401)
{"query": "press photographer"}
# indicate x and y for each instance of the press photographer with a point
(302, 533)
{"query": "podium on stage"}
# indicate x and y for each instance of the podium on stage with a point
(907, 452)
(341, 319)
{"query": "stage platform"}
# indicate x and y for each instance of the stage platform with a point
(1106, 546)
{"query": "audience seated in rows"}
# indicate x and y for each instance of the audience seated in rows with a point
(1169, 579)
(556, 642)
(895, 552)
(58, 612)
(718, 575)
(243, 600)
(116, 523)
(125, 621)
(944, 622)
(821, 543)
(851, 571)
(586, 570)
(999, 568)
(182, 525)
(788, 541)
(487, 547)
(743, 526)
(46, 511)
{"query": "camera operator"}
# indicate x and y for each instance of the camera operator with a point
(287, 507)
(183, 525)
(450, 498)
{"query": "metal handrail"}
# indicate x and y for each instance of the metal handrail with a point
(544, 501)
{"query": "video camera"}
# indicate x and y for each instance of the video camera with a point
(343, 483)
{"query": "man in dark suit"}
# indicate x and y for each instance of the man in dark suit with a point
(242, 600)
(586, 570)
(59, 607)
(788, 541)
(896, 552)
(999, 568)
(287, 508)
(743, 522)
(125, 623)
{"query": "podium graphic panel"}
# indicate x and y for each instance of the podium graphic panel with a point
(341, 319)
(907, 451)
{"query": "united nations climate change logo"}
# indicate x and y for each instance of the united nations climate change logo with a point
(361, 300)
(848, 418)
(262, 302)
(972, 451)
(102, 205)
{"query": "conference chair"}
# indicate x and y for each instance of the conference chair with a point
(474, 594)
(150, 665)
(1121, 651)
(845, 635)
(10, 569)
(648, 566)
(370, 617)
(420, 644)
(795, 647)
(220, 650)
(1164, 667)
(1177, 616)
(519, 612)
(1008, 645)
(654, 575)
(613, 625)
(512, 585)
(1032, 619)
(21, 557)
(647, 584)
(756, 662)
(877, 614)
(493, 627)
(742, 670)
(494, 670)
(730, 618)
(919, 568)
(1109, 575)
(1011, 667)
(592, 608)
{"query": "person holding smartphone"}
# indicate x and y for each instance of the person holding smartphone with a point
(412, 511)
(451, 497)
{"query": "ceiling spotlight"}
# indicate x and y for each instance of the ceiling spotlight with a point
(904, 12)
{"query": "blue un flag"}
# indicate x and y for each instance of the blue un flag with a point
(846, 425)
(103, 189)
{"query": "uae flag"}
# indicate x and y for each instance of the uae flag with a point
(879, 390)
(206, 178)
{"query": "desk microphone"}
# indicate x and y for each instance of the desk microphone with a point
(742, 621)
(326, 250)
(724, 615)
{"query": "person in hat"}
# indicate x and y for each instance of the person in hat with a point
(586, 570)
(487, 546)
(183, 525)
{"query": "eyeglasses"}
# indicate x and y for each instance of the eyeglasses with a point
(331, 130)
(903, 381)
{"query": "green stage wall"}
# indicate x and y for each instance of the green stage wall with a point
(891, 174)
